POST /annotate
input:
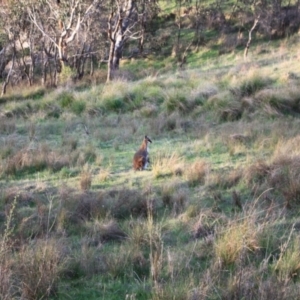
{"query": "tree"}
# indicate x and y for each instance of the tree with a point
(15, 35)
(120, 22)
(60, 23)
(127, 20)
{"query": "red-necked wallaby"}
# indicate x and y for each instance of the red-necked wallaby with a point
(141, 157)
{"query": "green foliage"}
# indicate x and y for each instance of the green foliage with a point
(175, 99)
(252, 85)
(78, 107)
(36, 95)
(114, 104)
(235, 242)
(276, 102)
(287, 266)
(66, 74)
(90, 154)
(65, 99)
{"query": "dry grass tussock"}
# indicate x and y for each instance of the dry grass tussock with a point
(85, 179)
(237, 143)
(287, 266)
(104, 231)
(174, 196)
(275, 102)
(181, 99)
(235, 241)
(224, 178)
(280, 174)
(33, 160)
(104, 174)
(7, 125)
(137, 232)
(197, 172)
(290, 146)
(33, 272)
(165, 123)
(225, 106)
(254, 94)
(85, 261)
(124, 202)
(248, 283)
(125, 261)
(117, 203)
(165, 165)
(203, 228)
(39, 269)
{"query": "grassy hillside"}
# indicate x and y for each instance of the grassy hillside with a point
(216, 216)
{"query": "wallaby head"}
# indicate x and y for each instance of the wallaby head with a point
(141, 157)
(145, 142)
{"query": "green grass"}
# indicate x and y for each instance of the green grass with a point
(216, 212)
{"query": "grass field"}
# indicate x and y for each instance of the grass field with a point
(216, 216)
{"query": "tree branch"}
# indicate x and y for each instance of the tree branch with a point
(250, 37)
(32, 17)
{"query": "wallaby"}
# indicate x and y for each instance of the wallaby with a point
(141, 157)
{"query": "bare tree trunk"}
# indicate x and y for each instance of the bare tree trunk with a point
(80, 60)
(198, 19)
(44, 72)
(117, 35)
(4, 60)
(92, 65)
(250, 37)
(25, 68)
(176, 47)
(6, 82)
(110, 66)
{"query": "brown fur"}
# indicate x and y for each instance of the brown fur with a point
(141, 157)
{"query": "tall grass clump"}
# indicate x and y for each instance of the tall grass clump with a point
(33, 272)
(78, 107)
(114, 103)
(39, 268)
(197, 172)
(153, 94)
(34, 160)
(34, 93)
(7, 125)
(65, 99)
(288, 264)
(251, 84)
(7, 289)
(104, 174)
(84, 262)
(155, 251)
(127, 262)
(112, 97)
(224, 106)
(275, 102)
(123, 202)
(280, 173)
(235, 241)
(174, 197)
(85, 179)
(66, 75)
(87, 155)
(176, 99)
(165, 165)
